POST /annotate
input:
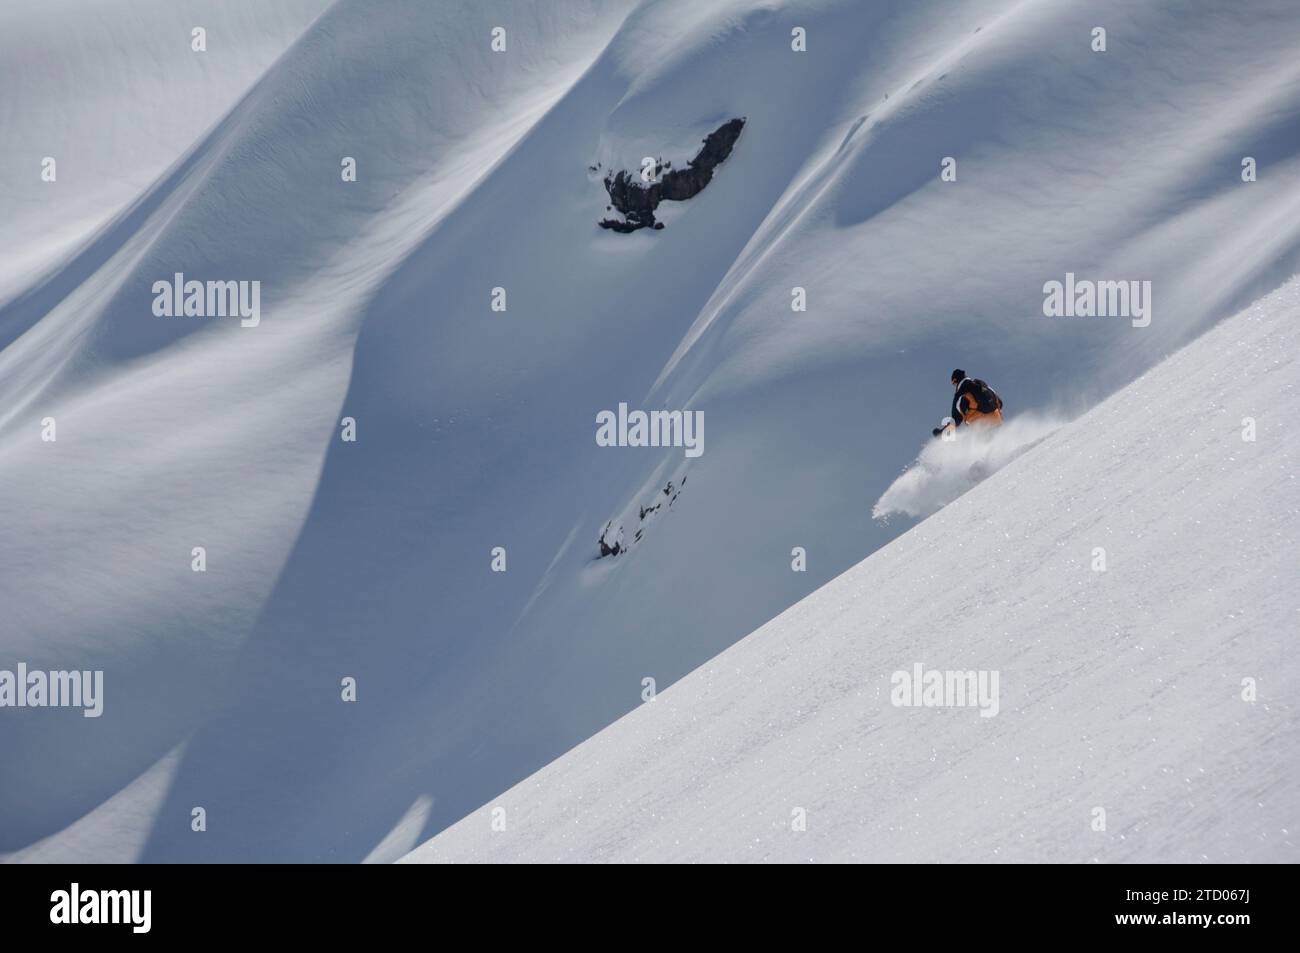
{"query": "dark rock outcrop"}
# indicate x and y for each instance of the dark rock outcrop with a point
(638, 201)
(605, 548)
(618, 545)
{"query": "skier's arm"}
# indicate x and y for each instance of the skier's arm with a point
(967, 387)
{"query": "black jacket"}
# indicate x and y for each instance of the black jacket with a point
(968, 386)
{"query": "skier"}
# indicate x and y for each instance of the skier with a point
(974, 403)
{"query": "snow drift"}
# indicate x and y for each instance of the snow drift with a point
(374, 559)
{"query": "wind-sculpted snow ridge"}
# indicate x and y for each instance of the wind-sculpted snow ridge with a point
(1112, 620)
(456, 307)
(944, 469)
(183, 434)
(86, 99)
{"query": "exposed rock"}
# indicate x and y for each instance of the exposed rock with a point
(605, 548)
(638, 201)
(611, 541)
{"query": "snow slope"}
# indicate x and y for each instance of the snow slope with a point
(1119, 689)
(114, 94)
(372, 559)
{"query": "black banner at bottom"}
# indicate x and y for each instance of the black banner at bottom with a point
(335, 904)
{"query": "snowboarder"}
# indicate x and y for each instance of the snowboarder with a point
(974, 403)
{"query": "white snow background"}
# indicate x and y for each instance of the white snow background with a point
(372, 559)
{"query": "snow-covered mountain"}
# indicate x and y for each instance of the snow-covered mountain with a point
(460, 311)
(1122, 675)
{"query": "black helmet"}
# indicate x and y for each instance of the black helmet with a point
(957, 375)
